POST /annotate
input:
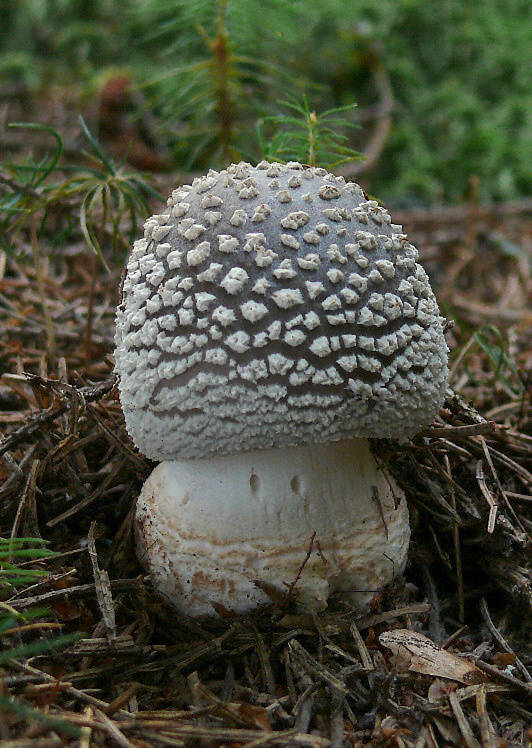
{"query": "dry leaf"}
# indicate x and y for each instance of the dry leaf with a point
(66, 610)
(104, 594)
(503, 659)
(419, 654)
(439, 690)
(254, 716)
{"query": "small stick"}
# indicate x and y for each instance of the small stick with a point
(103, 587)
(366, 623)
(42, 292)
(79, 591)
(499, 638)
(291, 586)
(267, 672)
(457, 552)
(29, 489)
(504, 676)
(493, 505)
(486, 728)
(463, 724)
(461, 432)
(315, 668)
(498, 482)
(35, 422)
(90, 310)
(112, 729)
(367, 662)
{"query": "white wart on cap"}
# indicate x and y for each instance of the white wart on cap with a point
(272, 306)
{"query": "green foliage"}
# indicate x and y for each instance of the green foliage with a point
(459, 72)
(110, 200)
(313, 139)
(26, 194)
(34, 715)
(20, 549)
(210, 70)
(494, 344)
(13, 552)
(69, 38)
(109, 196)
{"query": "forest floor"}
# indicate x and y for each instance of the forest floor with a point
(440, 659)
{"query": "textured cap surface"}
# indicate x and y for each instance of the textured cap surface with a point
(270, 306)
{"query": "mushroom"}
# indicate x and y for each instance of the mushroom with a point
(272, 320)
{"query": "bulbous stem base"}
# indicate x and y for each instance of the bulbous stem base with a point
(241, 531)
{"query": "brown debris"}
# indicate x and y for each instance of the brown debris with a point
(416, 652)
(141, 675)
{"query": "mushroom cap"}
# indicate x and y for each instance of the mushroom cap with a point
(275, 306)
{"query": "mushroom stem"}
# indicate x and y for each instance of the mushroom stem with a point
(312, 519)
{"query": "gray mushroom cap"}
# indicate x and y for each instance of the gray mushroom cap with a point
(271, 306)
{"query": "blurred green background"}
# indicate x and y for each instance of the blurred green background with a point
(443, 88)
